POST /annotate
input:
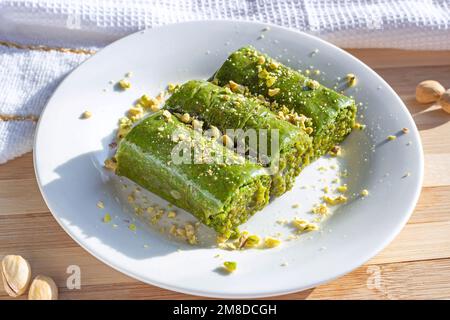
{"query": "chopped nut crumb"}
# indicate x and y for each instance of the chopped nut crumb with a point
(351, 79)
(320, 209)
(274, 65)
(230, 266)
(190, 233)
(252, 241)
(313, 84)
(171, 87)
(233, 86)
(342, 188)
(391, 137)
(270, 81)
(270, 242)
(110, 164)
(186, 118)
(124, 84)
(167, 115)
(405, 130)
(335, 151)
(364, 192)
(335, 201)
(171, 214)
(106, 218)
(273, 92)
(101, 205)
(261, 60)
(303, 225)
(132, 227)
(86, 115)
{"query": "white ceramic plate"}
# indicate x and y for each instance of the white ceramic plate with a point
(69, 155)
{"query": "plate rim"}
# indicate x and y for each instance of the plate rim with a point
(363, 258)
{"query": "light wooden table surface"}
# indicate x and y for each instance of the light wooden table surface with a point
(415, 265)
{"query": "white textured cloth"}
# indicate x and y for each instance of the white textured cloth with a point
(28, 77)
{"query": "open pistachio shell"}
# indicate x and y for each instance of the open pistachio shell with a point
(16, 275)
(43, 288)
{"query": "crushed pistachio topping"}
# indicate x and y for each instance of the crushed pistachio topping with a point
(125, 125)
(186, 118)
(124, 84)
(86, 115)
(149, 102)
(244, 240)
(364, 192)
(343, 188)
(320, 209)
(167, 115)
(391, 137)
(270, 242)
(273, 92)
(335, 201)
(261, 60)
(274, 65)
(171, 214)
(303, 225)
(233, 86)
(270, 81)
(106, 218)
(230, 266)
(132, 227)
(263, 74)
(336, 151)
(295, 205)
(110, 164)
(313, 84)
(190, 233)
(172, 87)
(135, 113)
(359, 126)
(252, 241)
(351, 80)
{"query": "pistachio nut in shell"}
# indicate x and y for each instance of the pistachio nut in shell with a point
(43, 288)
(16, 274)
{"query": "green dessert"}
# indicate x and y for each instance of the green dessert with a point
(213, 183)
(332, 114)
(225, 110)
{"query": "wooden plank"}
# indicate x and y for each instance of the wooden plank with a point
(20, 196)
(433, 206)
(394, 58)
(404, 280)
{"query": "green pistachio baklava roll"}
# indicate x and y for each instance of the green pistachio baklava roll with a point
(195, 173)
(332, 114)
(277, 144)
